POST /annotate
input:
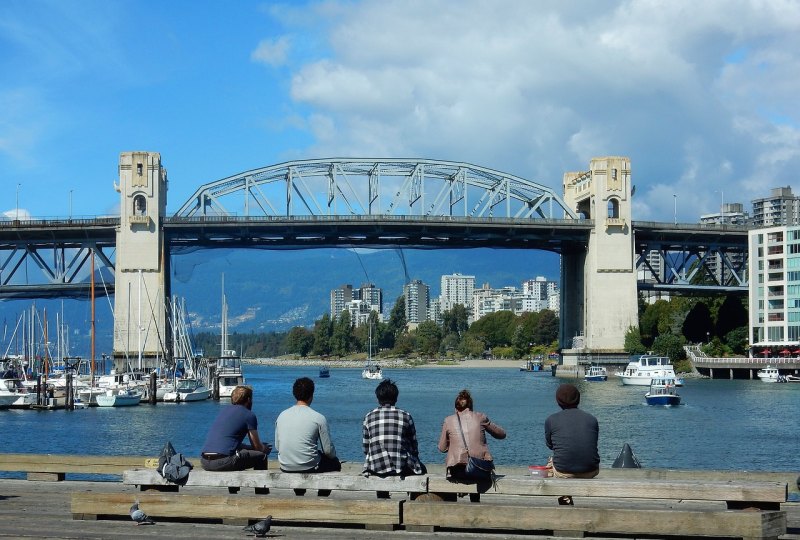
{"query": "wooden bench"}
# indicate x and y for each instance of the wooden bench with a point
(613, 506)
(54, 467)
(262, 481)
(240, 510)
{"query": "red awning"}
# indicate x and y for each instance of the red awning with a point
(765, 352)
(796, 351)
(786, 351)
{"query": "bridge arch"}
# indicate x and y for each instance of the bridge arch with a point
(339, 186)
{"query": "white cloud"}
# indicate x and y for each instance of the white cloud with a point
(701, 96)
(272, 52)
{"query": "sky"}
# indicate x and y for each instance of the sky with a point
(702, 96)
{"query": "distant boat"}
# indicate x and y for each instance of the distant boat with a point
(768, 374)
(372, 371)
(324, 372)
(14, 394)
(119, 398)
(649, 366)
(663, 391)
(531, 365)
(595, 374)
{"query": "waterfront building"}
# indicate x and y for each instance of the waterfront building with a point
(435, 311)
(780, 208)
(417, 296)
(457, 289)
(340, 299)
(774, 287)
(536, 295)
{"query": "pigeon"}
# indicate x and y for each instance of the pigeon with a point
(261, 528)
(140, 517)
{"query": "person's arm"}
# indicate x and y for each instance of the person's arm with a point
(412, 436)
(493, 429)
(548, 434)
(325, 439)
(444, 440)
(256, 443)
(365, 436)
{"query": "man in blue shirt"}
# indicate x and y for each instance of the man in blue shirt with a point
(223, 449)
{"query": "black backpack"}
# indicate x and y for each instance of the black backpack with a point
(173, 466)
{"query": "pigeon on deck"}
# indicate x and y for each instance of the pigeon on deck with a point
(140, 517)
(260, 528)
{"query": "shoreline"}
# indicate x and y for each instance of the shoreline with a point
(393, 363)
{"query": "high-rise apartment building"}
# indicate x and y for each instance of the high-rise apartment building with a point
(780, 208)
(417, 296)
(774, 287)
(359, 302)
(457, 289)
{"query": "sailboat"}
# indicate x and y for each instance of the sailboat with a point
(372, 370)
(229, 364)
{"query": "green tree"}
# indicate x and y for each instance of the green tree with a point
(698, 326)
(405, 344)
(669, 345)
(396, 324)
(455, 320)
(450, 342)
(654, 321)
(299, 340)
(633, 341)
(429, 336)
(342, 334)
(323, 330)
(495, 328)
(738, 340)
(546, 328)
(731, 315)
(472, 346)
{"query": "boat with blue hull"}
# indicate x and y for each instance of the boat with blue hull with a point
(595, 374)
(324, 372)
(663, 391)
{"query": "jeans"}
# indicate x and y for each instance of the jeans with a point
(241, 460)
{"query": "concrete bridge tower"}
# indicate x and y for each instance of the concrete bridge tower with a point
(141, 274)
(599, 301)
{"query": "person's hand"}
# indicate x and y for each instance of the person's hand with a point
(267, 448)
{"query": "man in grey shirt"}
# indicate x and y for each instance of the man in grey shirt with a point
(302, 437)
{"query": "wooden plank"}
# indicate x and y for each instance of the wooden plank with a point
(757, 524)
(276, 479)
(211, 507)
(772, 492)
(45, 477)
(64, 463)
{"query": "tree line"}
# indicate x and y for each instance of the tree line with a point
(501, 334)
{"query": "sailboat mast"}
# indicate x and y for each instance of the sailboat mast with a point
(93, 329)
(139, 310)
(224, 322)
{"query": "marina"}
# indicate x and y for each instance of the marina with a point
(721, 424)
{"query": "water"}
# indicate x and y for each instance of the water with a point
(725, 425)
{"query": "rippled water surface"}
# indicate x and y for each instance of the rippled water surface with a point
(728, 425)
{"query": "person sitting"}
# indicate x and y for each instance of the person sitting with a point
(474, 426)
(302, 437)
(572, 436)
(223, 449)
(389, 437)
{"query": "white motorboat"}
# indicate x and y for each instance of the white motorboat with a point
(595, 374)
(119, 397)
(14, 394)
(640, 372)
(768, 374)
(229, 364)
(372, 371)
(188, 390)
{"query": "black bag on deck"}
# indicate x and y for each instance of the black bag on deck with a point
(173, 466)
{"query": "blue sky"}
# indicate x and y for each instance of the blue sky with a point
(702, 96)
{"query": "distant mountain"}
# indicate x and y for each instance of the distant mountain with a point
(275, 290)
(278, 289)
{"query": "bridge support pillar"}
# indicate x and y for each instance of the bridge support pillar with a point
(599, 302)
(141, 267)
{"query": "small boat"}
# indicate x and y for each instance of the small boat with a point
(119, 397)
(229, 373)
(14, 394)
(768, 374)
(324, 372)
(189, 390)
(595, 374)
(372, 371)
(663, 391)
(640, 372)
(531, 365)
(792, 378)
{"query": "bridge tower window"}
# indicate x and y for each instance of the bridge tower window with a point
(139, 205)
(613, 208)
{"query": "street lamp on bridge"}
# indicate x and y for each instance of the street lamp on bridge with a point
(17, 209)
(675, 210)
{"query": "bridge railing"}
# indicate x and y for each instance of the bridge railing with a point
(81, 221)
(739, 360)
(584, 223)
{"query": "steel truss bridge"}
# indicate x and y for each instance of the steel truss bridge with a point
(365, 203)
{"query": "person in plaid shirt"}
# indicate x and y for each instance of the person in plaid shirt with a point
(390, 438)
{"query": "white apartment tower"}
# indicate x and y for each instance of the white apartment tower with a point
(457, 289)
(780, 208)
(774, 287)
(417, 296)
